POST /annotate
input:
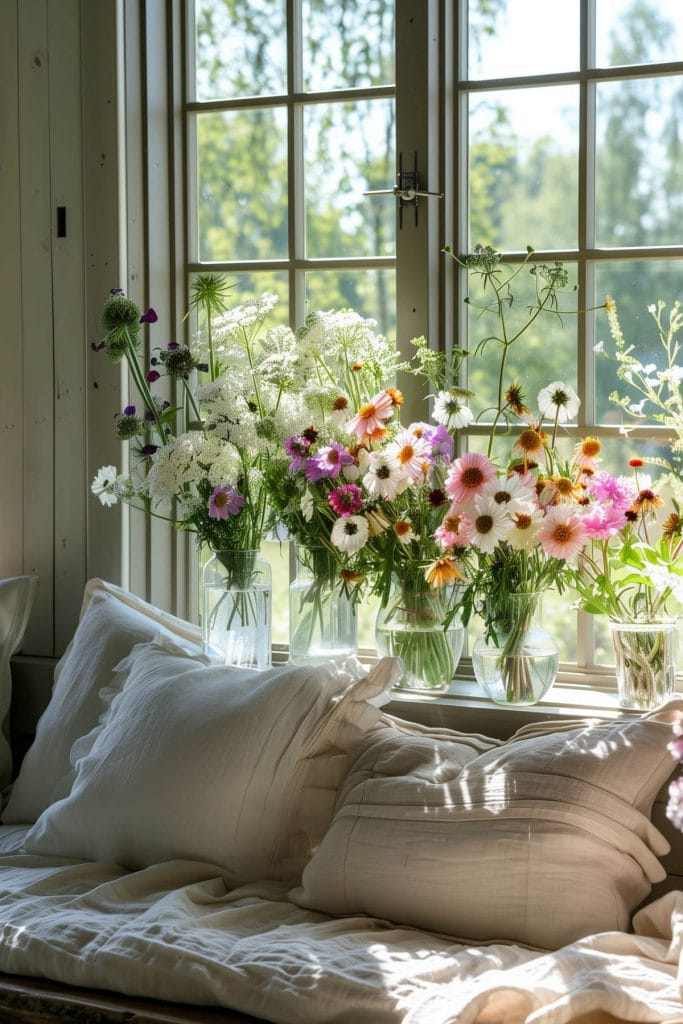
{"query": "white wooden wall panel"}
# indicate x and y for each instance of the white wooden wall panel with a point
(11, 492)
(68, 303)
(37, 325)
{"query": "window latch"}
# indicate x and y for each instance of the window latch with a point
(407, 190)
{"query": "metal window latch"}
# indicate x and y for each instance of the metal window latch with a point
(407, 190)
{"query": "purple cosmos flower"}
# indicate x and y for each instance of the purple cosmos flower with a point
(345, 500)
(328, 462)
(129, 410)
(224, 502)
(443, 445)
(150, 317)
(297, 447)
(151, 376)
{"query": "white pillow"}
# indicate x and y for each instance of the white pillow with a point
(223, 765)
(16, 600)
(112, 622)
(542, 840)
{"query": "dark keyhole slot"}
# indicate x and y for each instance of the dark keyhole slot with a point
(61, 222)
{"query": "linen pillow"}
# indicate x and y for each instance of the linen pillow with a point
(112, 621)
(540, 841)
(17, 595)
(222, 765)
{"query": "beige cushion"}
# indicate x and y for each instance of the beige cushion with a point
(210, 763)
(112, 621)
(541, 840)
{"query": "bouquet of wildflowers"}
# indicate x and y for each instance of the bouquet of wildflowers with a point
(201, 465)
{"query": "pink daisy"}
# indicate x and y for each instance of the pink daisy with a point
(369, 422)
(467, 477)
(562, 534)
(224, 502)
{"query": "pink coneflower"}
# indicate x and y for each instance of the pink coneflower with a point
(467, 476)
(586, 453)
(531, 445)
(345, 500)
(224, 502)
(329, 461)
(603, 521)
(562, 534)
(369, 422)
(409, 453)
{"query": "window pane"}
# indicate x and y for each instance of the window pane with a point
(638, 31)
(349, 149)
(347, 45)
(639, 173)
(522, 37)
(241, 49)
(242, 184)
(634, 285)
(528, 360)
(523, 168)
(371, 293)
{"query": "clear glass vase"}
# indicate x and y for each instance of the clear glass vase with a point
(645, 658)
(515, 660)
(410, 626)
(236, 609)
(323, 625)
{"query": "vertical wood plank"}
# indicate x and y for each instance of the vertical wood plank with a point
(37, 327)
(11, 493)
(104, 228)
(68, 301)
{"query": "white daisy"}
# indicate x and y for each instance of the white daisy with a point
(384, 479)
(410, 454)
(103, 485)
(558, 400)
(450, 411)
(512, 493)
(350, 533)
(490, 525)
(524, 530)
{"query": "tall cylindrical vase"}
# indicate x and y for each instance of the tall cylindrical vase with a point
(322, 616)
(411, 625)
(515, 660)
(645, 659)
(236, 609)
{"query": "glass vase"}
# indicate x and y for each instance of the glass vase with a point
(236, 609)
(410, 626)
(645, 658)
(322, 616)
(515, 660)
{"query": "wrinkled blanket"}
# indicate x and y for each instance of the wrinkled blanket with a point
(174, 932)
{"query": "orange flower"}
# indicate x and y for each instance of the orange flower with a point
(442, 571)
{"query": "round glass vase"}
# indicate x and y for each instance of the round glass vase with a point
(645, 660)
(236, 609)
(515, 660)
(322, 616)
(410, 626)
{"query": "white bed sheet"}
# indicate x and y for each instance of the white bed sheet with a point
(173, 932)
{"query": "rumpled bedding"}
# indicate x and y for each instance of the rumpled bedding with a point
(174, 932)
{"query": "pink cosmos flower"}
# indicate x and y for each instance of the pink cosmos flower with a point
(603, 521)
(467, 477)
(328, 462)
(369, 422)
(224, 502)
(345, 500)
(562, 534)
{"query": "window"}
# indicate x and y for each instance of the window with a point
(560, 131)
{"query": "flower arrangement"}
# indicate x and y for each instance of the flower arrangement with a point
(201, 467)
